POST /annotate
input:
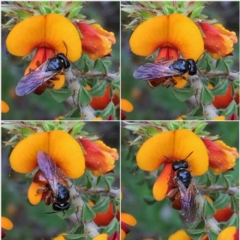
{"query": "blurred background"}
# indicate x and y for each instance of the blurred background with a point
(32, 222)
(160, 103)
(158, 220)
(43, 107)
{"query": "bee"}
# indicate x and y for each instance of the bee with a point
(38, 77)
(55, 190)
(185, 190)
(165, 69)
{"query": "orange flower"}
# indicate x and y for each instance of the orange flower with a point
(223, 101)
(5, 107)
(47, 34)
(6, 224)
(165, 147)
(126, 219)
(102, 236)
(100, 158)
(172, 34)
(103, 219)
(60, 236)
(218, 41)
(229, 233)
(180, 234)
(96, 42)
(126, 106)
(59, 145)
(223, 215)
(221, 157)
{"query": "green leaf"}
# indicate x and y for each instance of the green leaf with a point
(102, 205)
(221, 201)
(173, 125)
(112, 227)
(233, 221)
(206, 95)
(76, 129)
(75, 237)
(73, 113)
(200, 128)
(220, 88)
(60, 95)
(212, 235)
(208, 209)
(49, 126)
(109, 110)
(87, 213)
(84, 97)
(183, 94)
(232, 108)
(98, 89)
(196, 233)
(74, 11)
(196, 12)
(109, 181)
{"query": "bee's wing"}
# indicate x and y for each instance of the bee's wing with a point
(49, 169)
(33, 80)
(188, 201)
(150, 71)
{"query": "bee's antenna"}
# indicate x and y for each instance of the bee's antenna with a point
(188, 155)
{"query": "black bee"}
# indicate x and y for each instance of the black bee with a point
(36, 78)
(56, 185)
(164, 69)
(187, 189)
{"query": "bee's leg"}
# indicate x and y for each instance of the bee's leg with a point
(50, 84)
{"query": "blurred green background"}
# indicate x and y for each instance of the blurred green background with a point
(160, 103)
(158, 220)
(32, 222)
(44, 107)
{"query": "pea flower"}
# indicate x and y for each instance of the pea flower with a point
(167, 147)
(5, 107)
(126, 106)
(218, 41)
(221, 157)
(173, 34)
(96, 41)
(100, 158)
(47, 34)
(126, 219)
(63, 149)
(6, 224)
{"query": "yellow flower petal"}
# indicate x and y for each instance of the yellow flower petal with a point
(175, 145)
(102, 236)
(60, 236)
(227, 234)
(126, 105)
(6, 223)
(160, 186)
(180, 234)
(34, 196)
(123, 235)
(51, 30)
(5, 107)
(128, 219)
(59, 145)
(175, 30)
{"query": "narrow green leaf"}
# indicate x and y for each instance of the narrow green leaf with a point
(206, 95)
(109, 181)
(196, 233)
(84, 97)
(196, 12)
(233, 221)
(74, 11)
(200, 128)
(76, 129)
(87, 213)
(75, 237)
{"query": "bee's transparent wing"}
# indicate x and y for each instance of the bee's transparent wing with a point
(150, 71)
(188, 202)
